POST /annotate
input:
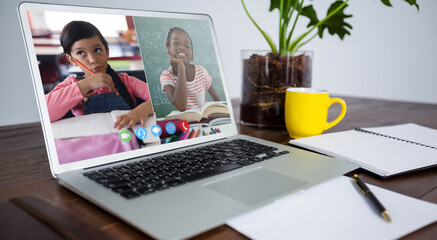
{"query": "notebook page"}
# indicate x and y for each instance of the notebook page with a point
(390, 155)
(409, 131)
(382, 155)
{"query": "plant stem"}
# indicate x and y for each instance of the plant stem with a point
(281, 22)
(300, 45)
(295, 42)
(266, 36)
(286, 19)
(287, 41)
(294, 24)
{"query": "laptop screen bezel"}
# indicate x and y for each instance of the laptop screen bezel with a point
(55, 166)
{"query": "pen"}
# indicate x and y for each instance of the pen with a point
(367, 193)
(75, 60)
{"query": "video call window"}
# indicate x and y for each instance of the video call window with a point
(117, 83)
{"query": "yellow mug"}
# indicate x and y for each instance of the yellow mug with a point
(306, 111)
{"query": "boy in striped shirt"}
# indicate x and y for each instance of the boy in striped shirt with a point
(185, 83)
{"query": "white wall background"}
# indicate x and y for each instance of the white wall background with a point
(391, 53)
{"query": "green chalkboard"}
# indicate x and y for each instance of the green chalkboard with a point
(152, 35)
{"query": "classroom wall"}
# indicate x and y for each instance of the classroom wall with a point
(391, 53)
(152, 35)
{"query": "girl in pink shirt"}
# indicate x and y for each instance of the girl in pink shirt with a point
(185, 83)
(102, 89)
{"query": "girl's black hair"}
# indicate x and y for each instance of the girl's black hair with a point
(77, 30)
(172, 30)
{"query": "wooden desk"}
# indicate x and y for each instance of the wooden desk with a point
(24, 168)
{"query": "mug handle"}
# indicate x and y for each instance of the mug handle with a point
(342, 114)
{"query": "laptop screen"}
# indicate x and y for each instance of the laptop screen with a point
(114, 84)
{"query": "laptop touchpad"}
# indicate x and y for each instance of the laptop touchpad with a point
(255, 186)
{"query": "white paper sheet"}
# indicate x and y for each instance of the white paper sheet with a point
(335, 210)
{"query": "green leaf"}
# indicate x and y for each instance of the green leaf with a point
(287, 8)
(387, 3)
(277, 3)
(411, 2)
(310, 13)
(336, 24)
(274, 4)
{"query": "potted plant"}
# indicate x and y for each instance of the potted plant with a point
(267, 74)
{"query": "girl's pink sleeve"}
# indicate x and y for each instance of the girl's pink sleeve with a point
(62, 98)
(135, 86)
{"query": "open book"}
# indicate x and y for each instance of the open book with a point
(96, 124)
(385, 151)
(209, 109)
(212, 121)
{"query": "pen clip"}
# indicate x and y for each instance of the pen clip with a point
(358, 186)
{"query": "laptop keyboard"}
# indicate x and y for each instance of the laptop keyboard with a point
(147, 176)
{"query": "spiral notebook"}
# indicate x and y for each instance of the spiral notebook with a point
(386, 151)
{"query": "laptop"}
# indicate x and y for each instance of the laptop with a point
(173, 178)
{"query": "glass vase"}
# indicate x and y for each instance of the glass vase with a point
(266, 76)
